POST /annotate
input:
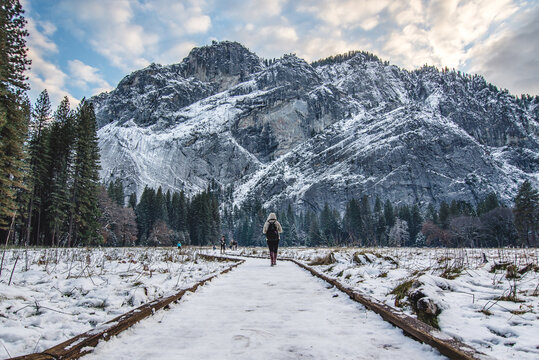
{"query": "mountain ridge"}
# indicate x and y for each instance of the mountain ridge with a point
(225, 114)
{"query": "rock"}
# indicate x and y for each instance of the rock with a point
(427, 306)
(290, 132)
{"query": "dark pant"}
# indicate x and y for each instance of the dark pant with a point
(273, 245)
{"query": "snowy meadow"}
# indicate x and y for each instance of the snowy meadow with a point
(487, 298)
(50, 295)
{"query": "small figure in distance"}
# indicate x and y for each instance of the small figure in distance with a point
(223, 244)
(272, 229)
(233, 244)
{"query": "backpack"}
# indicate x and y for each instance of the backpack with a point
(272, 233)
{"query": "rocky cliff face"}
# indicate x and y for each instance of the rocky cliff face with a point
(293, 132)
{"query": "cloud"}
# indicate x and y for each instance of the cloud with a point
(179, 17)
(252, 10)
(176, 53)
(110, 28)
(44, 74)
(511, 58)
(441, 32)
(83, 76)
(346, 13)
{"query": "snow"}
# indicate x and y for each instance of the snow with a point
(471, 309)
(65, 292)
(263, 312)
(256, 310)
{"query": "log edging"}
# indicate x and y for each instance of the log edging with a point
(444, 343)
(83, 344)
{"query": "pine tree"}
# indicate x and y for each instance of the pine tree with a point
(314, 238)
(389, 214)
(490, 202)
(132, 202)
(352, 222)
(367, 223)
(160, 207)
(527, 213)
(432, 214)
(443, 215)
(380, 221)
(39, 167)
(115, 190)
(14, 107)
(145, 213)
(85, 213)
(60, 175)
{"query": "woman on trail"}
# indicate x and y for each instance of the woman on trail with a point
(223, 244)
(272, 229)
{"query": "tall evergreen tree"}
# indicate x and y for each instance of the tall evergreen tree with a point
(352, 223)
(115, 191)
(367, 222)
(389, 214)
(14, 107)
(39, 166)
(380, 221)
(60, 174)
(160, 206)
(527, 213)
(490, 202)
(132, 202)
(443, 215)
(145, 213)
(85, 213)
(432, 214)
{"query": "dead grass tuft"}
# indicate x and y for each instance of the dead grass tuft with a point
(324, 260)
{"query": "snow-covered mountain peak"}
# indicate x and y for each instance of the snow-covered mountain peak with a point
(288, 132)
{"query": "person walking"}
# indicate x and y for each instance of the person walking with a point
(223, 244)
(272, 230)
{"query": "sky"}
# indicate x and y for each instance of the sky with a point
(80, 48)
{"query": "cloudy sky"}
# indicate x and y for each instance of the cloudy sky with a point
(83, 47)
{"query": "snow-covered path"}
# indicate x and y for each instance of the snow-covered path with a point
(262, 312)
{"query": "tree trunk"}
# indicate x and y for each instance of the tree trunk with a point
(29, 220)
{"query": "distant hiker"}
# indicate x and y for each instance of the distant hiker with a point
(179, 245)
(233, 244)
(272, 229)
(223, 244)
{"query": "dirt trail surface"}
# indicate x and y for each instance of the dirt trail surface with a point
(263, 312)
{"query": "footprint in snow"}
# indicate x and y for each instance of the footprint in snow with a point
(240, 343)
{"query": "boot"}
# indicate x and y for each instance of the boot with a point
(275, 258)
(271, 258)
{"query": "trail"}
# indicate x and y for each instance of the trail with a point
(263, 312)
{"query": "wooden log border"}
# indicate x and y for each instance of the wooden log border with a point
(444, 343)
(418, 330)
(83, 344)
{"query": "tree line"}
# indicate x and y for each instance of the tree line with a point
(159, 218)
(49, 162)
(454, 224)
(56, 202)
